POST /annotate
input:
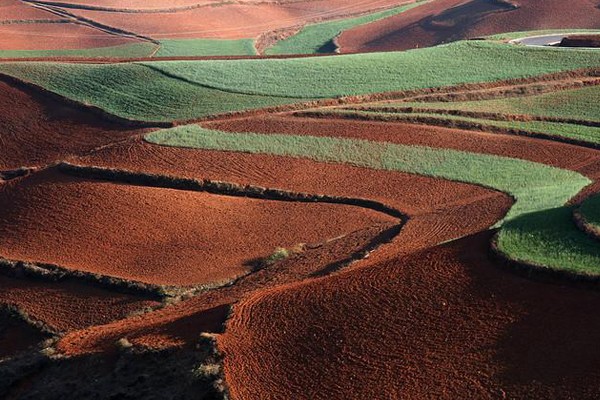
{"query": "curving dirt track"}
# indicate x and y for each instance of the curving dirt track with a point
(36, 130)
(437, 22)
(443, 323)
(154, 235)
(232, 21)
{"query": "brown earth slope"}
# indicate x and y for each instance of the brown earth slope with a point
(443, 21)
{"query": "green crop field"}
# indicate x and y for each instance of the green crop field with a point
(205, 47)
(182, 90)
(317, 38)
(133, 50)
(582, 133)
(573, 104)
(534, 186)
(524, 34)
(550, 238)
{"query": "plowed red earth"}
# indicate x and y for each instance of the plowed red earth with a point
(36, 131)
(233, 21)
(15, 10)
(16, 335)
(414, 194)
(66, 306)
(544, 151)
(441, 323)
(154, 235)
(167, 4)
(52, 36)
(434, 23)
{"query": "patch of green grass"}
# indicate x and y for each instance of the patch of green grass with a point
(317, 38)
(534, 186)
(558, 129)
(574, 104)
(136, 92)
(205, 47)
(550, 238)
(355, 74)
(132, 50)
(183, 90)
(590, 210)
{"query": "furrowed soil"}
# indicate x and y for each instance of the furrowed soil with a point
(53, 36)
(154, 235)
(17, 11)
(445, 322)
(65, 306)
(16, 335)
(438, 22)
(232, 21)
(37, 130)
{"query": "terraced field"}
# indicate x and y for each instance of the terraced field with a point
(384, 225)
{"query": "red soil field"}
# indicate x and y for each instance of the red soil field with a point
(154, 235)
(53, 36)
(581, 41)
(66, 306)
(37, 130)
(167, 4)
(442, 204)
(11, 10)
(544, 151)
(443, 323)
(437, 23)
(232, 21)
(16, 335)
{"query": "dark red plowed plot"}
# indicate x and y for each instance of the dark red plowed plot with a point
(16, 335)
(17, 11)
(443, 323)
(154, 235)
(66, 306)
(36, 130)
(447, 20)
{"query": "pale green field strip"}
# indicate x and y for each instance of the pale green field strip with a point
(590, 211)
(356, 74)
(148, 94)
(550, 238)
(524, 34)
(132, 50)
(580, 133)
(205, 47)
(579, 104)
(534, 186)
(136, 92)
(317, 38)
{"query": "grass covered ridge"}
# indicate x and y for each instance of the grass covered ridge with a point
(132, 50)
(205, 47)
(534, 186)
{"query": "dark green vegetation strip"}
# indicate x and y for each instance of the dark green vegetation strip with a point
(133, 50)
(589, 211)
(205, 47)
(184, 90)
(534, 186)
(318, 38)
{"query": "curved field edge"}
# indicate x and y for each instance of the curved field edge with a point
(534, 186)
(190, 90)
(587, 216)
(320, 37)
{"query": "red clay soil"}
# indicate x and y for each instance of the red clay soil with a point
(37, 130)
(581, 41)
(15, 10)
(16, 335)
(442, 323)
(437, 22)
(544, 151)
(66, 306)
(149, 5)
(440, 204)
(232, 21)
(154, 235)
(52, 36)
